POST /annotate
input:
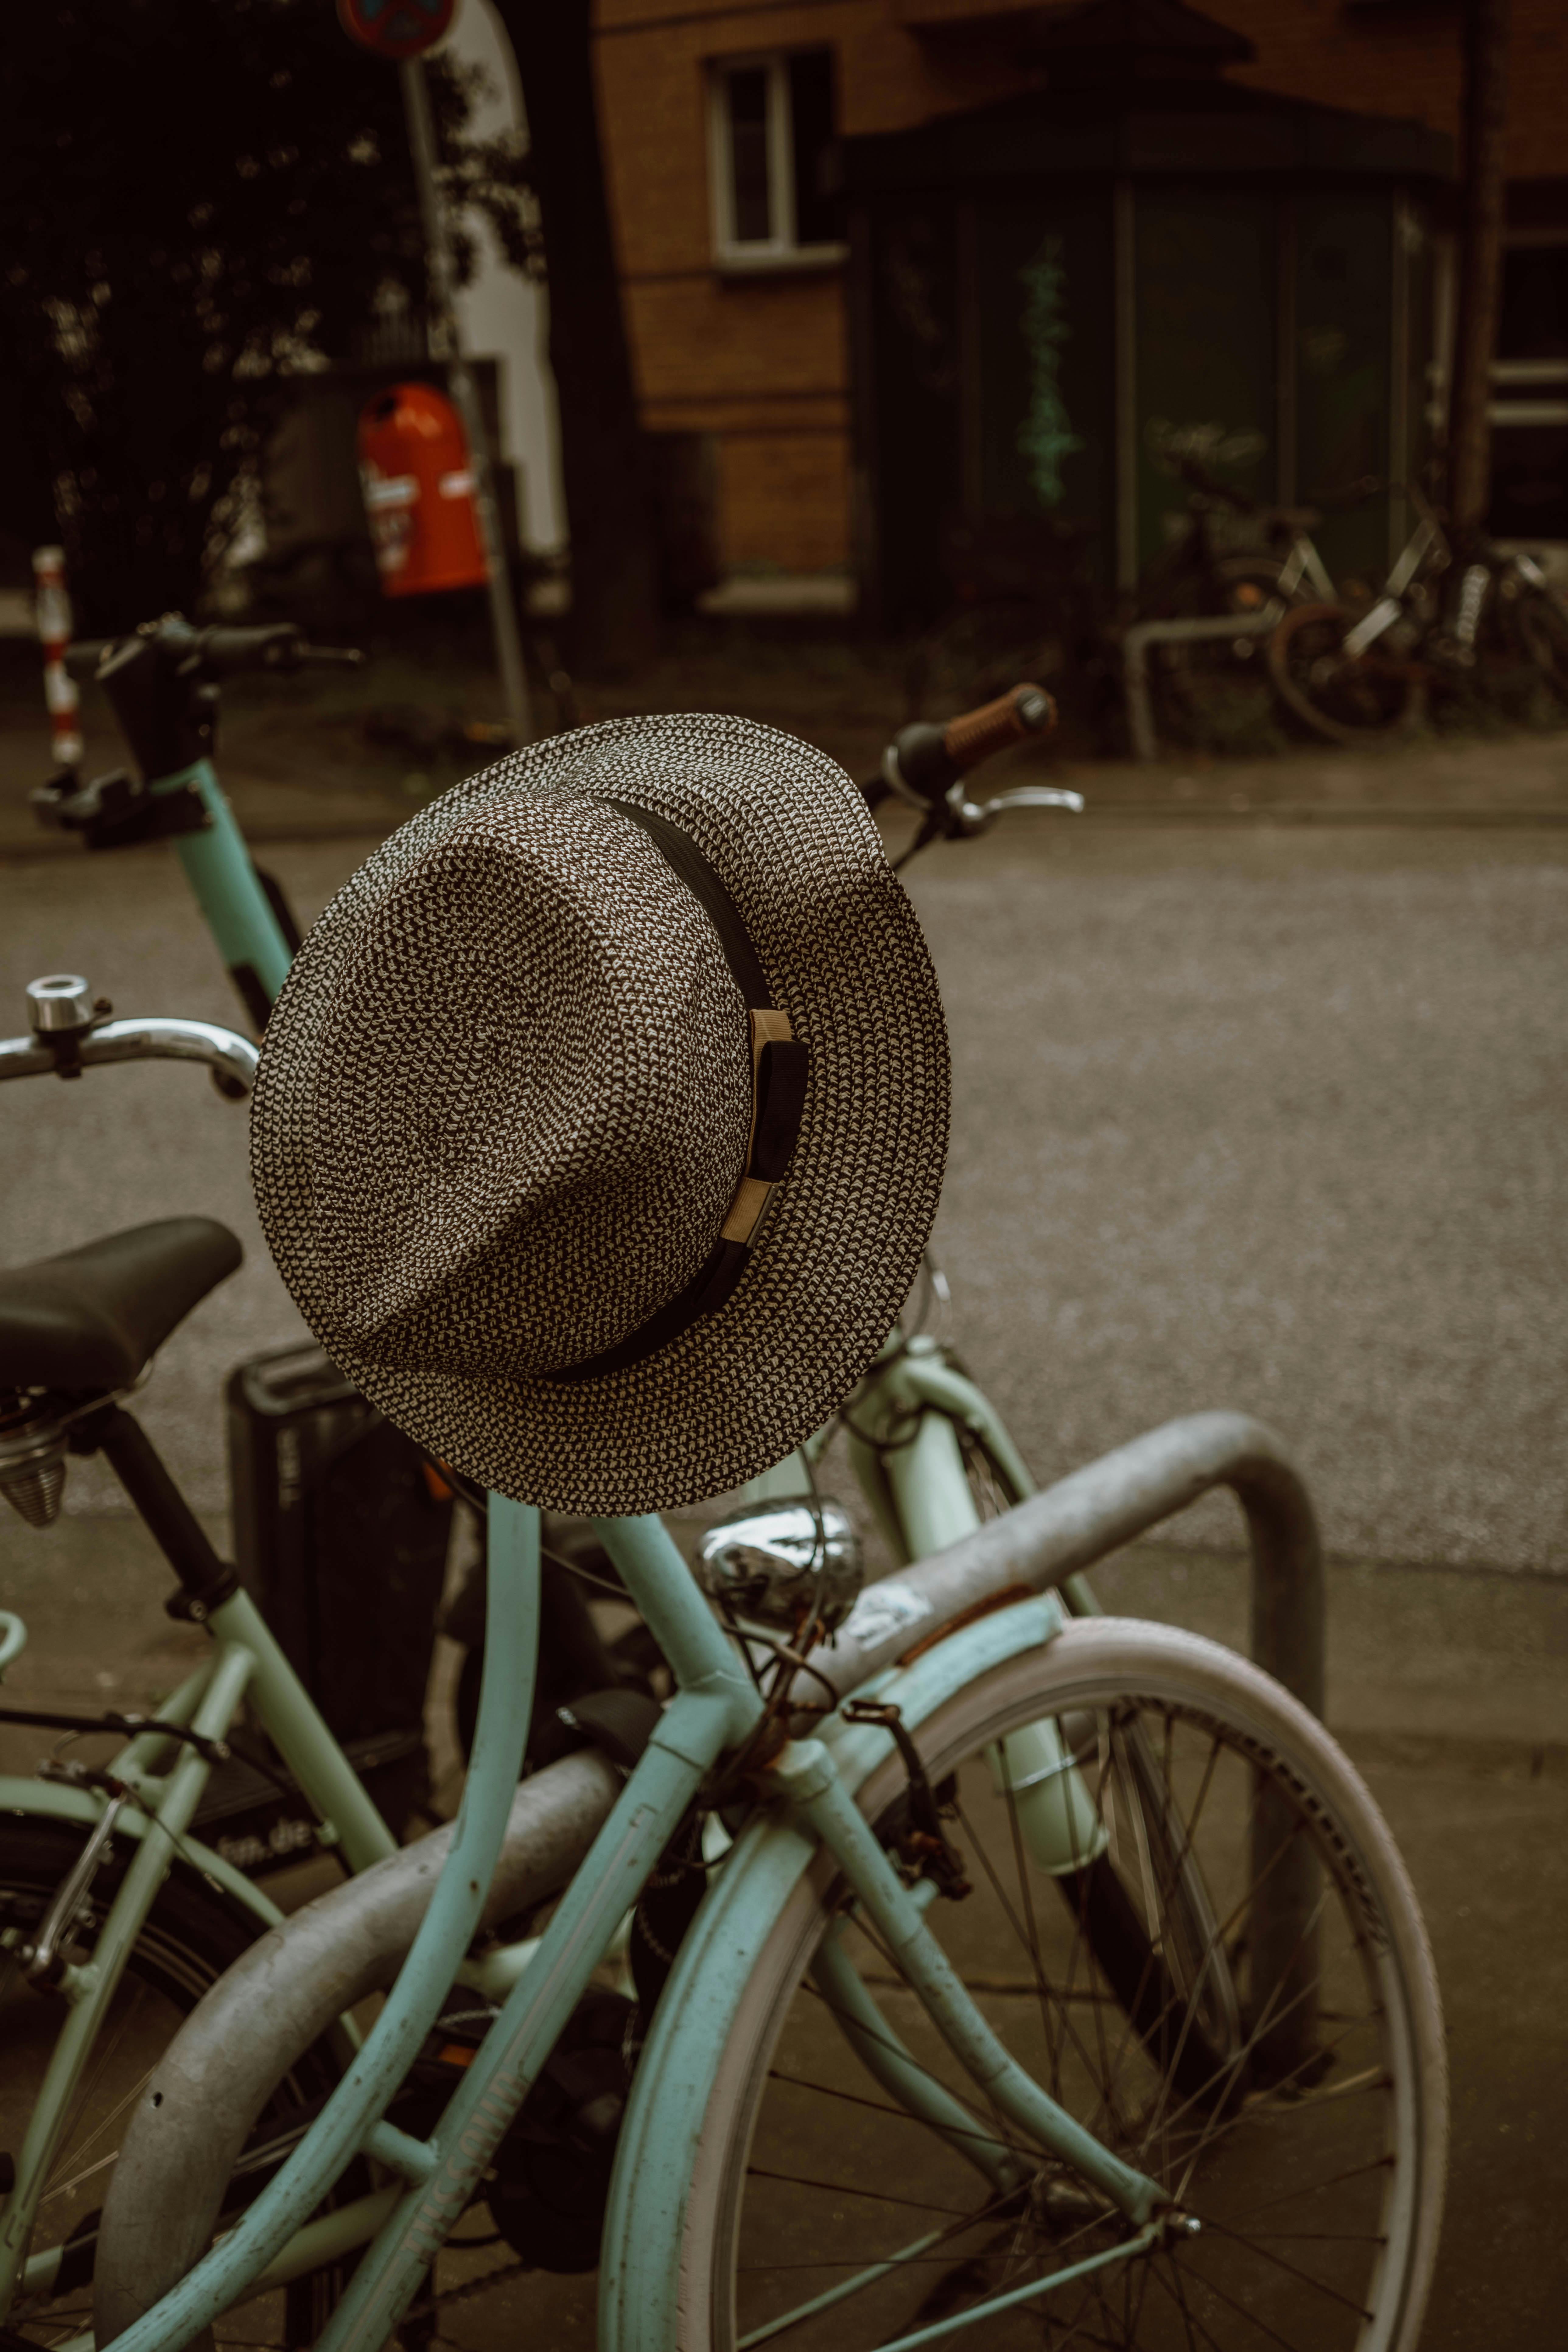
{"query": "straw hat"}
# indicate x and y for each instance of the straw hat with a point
(601, 1122)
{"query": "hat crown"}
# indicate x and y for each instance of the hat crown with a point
(551, 1109)
(501, 1132)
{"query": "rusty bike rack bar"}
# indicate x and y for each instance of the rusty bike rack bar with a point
(1094, 1511)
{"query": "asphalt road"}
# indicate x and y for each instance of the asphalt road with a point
(1255, 1116)
(1261, 1116)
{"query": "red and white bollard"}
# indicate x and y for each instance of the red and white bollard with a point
(53, 611)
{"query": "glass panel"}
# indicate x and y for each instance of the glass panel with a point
(818, 210)
(751, 212)
(914, 436)
(1343, 330)
(1204, 272)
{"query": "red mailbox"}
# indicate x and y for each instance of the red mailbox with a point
(419, 492)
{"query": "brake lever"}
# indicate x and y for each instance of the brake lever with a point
(968, 817)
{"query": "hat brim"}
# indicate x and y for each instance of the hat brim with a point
(839, 1245)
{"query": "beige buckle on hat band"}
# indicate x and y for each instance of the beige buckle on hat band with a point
(768, 1026)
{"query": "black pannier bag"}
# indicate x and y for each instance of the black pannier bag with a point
(340, 1532)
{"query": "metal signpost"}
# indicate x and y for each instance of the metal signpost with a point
(403, 30)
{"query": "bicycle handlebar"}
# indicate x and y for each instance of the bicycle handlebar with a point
(923, 763)
(68, 1036)
(975, 735)
(217, 651)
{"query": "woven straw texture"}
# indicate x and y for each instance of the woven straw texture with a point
(504, 1100)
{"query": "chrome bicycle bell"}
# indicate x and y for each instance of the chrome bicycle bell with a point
(763, 1561)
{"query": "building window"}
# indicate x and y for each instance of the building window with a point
(775, 161)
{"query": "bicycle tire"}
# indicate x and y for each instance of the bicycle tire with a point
(191, 1935)
(783, 2195)
(1356, 702)
(1542, 629)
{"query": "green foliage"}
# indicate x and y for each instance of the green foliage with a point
(197, 197)
(1045, 437)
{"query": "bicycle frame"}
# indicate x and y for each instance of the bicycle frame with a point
(715, 1707)
(912, 1402)
(227, 887)
(1304, 562)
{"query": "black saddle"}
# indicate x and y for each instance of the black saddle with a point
(92, 1318)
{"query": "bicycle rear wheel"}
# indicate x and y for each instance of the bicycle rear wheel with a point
(823, 2214)
(1347, 700)
(189, 1938)
(1542, 627)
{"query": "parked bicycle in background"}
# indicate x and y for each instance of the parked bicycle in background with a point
(1472, 625)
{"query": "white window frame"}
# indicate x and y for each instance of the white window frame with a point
(734, 256)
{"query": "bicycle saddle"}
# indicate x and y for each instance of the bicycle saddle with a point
(92, 1318)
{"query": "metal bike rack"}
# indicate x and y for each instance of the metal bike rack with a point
(1094, 1511)
(1135, 647)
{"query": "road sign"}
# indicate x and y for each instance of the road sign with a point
(397, 29)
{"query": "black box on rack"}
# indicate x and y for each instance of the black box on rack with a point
(341, 1531)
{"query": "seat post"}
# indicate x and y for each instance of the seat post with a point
(208, 1580)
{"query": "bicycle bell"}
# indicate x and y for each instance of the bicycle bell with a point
(762, 1561)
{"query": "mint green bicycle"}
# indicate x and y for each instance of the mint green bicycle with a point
(1051, 1973)
(1056, 1975)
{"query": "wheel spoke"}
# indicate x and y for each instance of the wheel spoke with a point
(1293, 2269)
(846, 2188)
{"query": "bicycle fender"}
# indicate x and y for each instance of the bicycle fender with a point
(927, 1379)
(52, 1800)
(644, 2223)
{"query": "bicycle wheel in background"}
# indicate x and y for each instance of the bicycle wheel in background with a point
(1542, 627)
(823, 2215)
(1345, 699)
(1213, 693)
(188, 1939)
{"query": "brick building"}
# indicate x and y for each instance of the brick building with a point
(788, 177)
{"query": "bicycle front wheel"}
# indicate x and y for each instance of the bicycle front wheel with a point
(1308, 2151)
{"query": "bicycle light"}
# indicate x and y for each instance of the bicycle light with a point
(763, 1562)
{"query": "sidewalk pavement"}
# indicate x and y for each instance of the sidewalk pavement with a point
(1448, 1689)
(296, 782)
